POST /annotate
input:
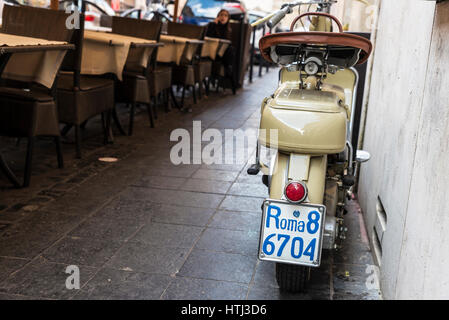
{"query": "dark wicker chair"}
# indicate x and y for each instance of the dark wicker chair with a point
(195, 71)
(28, 110)
(81, 97)
(140, 85)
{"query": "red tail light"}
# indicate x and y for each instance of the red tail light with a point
(89, 18)
(296, 192)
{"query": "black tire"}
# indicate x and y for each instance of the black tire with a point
(292, 278)
(265, 180)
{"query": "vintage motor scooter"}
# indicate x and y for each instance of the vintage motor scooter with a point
(304, 150)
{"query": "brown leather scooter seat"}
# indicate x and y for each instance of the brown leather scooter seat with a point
(331, 39)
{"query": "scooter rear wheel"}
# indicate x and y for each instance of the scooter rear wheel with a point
(292, 278)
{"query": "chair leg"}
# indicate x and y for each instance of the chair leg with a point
(117, 121)
(132, 111)
(83, 125)
(194, 94)
(103, 126)
(8, 173)
(28, 163)
(167, 100)
(173, 98)
(78, 141)
(59, 152)
(108, 135)
(66, 129)
(233, 85)
(206, 86)
(156, 102)
(183, 95)
(150, 114)
(103, 123)
(200, 94)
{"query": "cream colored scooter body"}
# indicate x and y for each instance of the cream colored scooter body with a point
(311, 125)
(311, 115)
(307, 121)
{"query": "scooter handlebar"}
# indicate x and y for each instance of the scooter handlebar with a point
(260, 21)
(278, 16)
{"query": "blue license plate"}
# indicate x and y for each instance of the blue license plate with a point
(292, 233)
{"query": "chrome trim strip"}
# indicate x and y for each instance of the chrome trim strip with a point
(354, 99)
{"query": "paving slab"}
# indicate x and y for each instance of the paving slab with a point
(144, 257)
(110, 284)
(220, 266)
(183, 288)
(237, 220)
(73, 250)
(183, 215)
(168, 235)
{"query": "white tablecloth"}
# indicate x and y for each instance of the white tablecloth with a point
(174, 47)
(213, 47)
(105, 52)
(36, 66)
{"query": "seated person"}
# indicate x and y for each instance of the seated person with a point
(220, 28)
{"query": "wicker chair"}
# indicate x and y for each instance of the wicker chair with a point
(29, 110)
(196, 70)
(82, 97)
(140, 85)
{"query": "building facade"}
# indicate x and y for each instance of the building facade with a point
(402, 189)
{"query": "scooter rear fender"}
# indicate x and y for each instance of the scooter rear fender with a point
(310, 169)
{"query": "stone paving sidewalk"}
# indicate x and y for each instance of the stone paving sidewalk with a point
(143, 228)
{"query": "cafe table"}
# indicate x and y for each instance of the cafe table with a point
(213, 47)
(29, 59)
(176, 47)
(107, 52)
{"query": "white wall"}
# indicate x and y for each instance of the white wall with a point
(357, 16)
(424, 265)
(392, 136)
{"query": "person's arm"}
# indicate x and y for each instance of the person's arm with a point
(211, 31)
